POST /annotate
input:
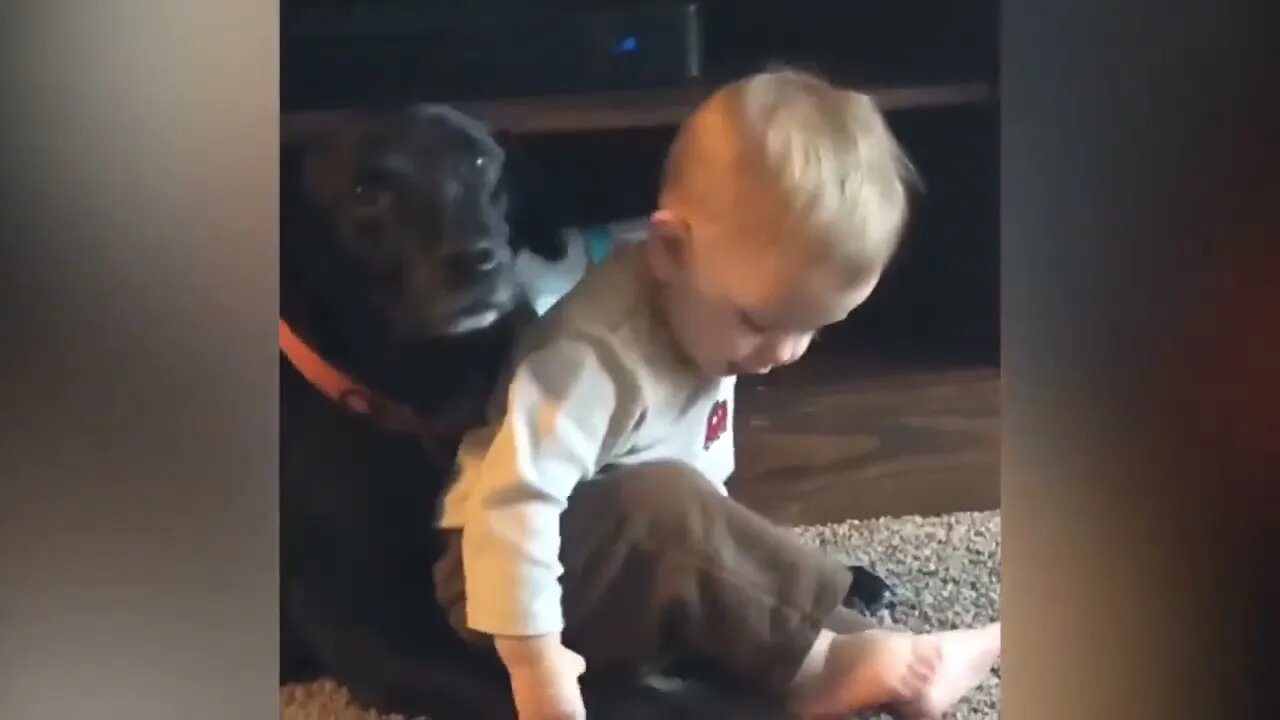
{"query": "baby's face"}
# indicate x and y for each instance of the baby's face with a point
(739, 309)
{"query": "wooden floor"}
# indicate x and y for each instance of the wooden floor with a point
(833, 438)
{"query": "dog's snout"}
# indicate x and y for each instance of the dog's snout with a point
(481, 258)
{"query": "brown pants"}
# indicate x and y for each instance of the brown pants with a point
(660, 567)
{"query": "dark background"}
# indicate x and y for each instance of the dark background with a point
(417, 42)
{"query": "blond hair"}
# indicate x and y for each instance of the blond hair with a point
(817, 157)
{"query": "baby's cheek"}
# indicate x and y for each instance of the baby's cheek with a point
(801, 348)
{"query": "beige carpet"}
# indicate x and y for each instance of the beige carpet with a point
(946, 571)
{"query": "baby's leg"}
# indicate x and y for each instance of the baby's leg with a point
(659, 565)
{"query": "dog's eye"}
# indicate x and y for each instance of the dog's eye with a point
(371, 197)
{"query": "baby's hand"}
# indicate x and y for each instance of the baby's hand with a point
(544, 677)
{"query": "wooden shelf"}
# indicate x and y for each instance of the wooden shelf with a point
(644, 108)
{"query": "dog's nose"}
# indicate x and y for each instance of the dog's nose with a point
(474, 259)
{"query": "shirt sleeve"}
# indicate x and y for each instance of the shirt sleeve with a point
(564, 411)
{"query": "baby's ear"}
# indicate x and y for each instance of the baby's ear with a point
(667, 222)
(667, 244)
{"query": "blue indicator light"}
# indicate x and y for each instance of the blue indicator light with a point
(628, 44)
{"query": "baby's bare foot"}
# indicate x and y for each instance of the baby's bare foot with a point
(964, 659)
(920, 675)
(867, 670)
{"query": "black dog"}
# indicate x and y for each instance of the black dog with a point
(397, 272)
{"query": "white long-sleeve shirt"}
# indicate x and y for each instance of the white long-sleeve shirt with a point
(598, 382)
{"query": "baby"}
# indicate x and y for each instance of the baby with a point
(589, 527)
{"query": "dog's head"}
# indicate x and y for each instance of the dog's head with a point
(415, 205)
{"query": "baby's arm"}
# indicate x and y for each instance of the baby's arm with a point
(565, 408)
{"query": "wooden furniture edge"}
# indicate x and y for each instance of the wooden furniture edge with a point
(632, 109)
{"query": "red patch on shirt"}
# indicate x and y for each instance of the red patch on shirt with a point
(717, 423)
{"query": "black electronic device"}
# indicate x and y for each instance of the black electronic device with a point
(381, 52)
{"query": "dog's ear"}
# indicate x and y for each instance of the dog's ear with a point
(327, 150)
(536, 215)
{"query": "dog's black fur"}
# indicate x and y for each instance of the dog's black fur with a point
(397, 268)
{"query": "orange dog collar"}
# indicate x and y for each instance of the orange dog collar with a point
(343, 390)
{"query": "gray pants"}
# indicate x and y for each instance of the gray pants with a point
(659, 567)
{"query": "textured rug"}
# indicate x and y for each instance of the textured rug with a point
(945, 571)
